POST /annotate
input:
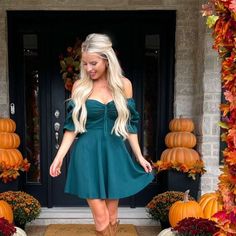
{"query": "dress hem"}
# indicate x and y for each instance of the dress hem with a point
(141, 187)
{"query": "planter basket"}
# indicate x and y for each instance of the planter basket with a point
(165, 224)
(10, 186)
(173, 180)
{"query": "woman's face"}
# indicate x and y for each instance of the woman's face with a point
(94, 65)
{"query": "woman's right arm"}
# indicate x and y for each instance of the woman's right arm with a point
(68, 138)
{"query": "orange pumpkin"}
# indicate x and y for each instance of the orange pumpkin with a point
(180, 154)
(6, 211)
(182, 209)
(7, 125)
(210, 205)
(9, 140)
(181, 124)
(11, 157)
(180, 139)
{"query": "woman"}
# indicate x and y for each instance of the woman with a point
(102, 114)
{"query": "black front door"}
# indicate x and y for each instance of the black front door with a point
(144, 42)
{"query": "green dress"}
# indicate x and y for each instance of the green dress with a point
(100, 165)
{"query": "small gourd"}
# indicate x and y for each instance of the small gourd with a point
(181, 124)
(210, 205)
(180, 139)
(166, 232)
(182, 209)
(9, 140)
(7, 125)
(6, 211)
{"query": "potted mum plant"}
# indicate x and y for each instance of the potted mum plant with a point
(25, 207)
(193, 226)
(158, 208)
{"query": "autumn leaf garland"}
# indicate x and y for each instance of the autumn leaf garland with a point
(190, 170)
(221, 17)
(8, 174)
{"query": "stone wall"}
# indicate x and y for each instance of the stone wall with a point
(4, 98)
(197, 91)
(207, 95)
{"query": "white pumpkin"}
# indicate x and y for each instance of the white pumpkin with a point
(19, 232)
(166, 232)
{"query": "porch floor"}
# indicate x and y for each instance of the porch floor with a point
(82, 215)
(39, 230)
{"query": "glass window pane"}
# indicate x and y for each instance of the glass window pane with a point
(152, 55)
(32, 138)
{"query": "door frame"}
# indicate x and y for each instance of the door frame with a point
(18, 19)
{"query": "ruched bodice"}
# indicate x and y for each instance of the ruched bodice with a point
(103, 116)
(100, 116)
(100, 165)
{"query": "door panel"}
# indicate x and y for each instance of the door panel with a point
(144, 42)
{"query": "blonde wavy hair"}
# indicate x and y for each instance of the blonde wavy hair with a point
(101, 44)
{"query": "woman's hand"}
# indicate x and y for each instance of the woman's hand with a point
(55, 168)
(145, 164)
(133, 141)
(68, 138)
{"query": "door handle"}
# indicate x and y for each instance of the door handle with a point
(57, 140)
(57, 128)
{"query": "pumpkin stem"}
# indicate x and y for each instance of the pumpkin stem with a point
(186, 195)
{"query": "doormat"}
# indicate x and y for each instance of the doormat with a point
(85, 230)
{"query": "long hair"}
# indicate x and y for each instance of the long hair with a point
(101, 44)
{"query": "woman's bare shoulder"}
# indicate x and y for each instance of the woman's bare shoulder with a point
(127, 88)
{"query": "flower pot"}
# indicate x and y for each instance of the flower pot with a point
(164, 224)
(173, 180)
(10, 186)
(21, 226)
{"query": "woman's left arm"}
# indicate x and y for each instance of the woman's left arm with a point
(134, 144)
(133, 138)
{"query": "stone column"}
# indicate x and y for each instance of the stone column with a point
(207, 98)
(4, 94)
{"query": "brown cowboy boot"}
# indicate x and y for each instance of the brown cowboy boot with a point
(106, 232)
(114, 228)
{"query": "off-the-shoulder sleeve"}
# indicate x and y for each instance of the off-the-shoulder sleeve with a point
(132, 125)
(69, 124)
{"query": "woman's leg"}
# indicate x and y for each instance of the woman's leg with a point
(100, 213)
(112, 206)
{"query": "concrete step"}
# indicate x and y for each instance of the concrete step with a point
(82, 215)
